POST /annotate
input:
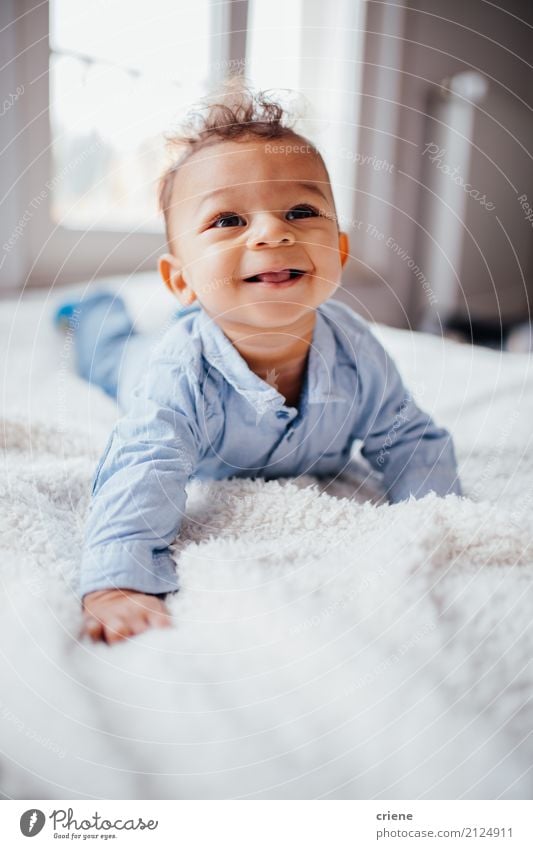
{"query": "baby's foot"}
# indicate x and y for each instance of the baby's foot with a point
(67, 314)
(64, 315)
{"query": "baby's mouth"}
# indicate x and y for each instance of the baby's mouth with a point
(276, 276)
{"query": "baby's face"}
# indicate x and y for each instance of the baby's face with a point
(253, 233)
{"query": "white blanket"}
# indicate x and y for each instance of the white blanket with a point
(322, 647)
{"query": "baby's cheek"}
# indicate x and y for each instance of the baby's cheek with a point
(215, 288)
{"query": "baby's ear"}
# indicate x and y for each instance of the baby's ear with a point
(173, 279)
(344, 247)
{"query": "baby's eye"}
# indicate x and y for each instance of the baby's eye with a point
(228, 219)
(302, 211)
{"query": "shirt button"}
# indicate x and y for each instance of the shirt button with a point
(282, 414)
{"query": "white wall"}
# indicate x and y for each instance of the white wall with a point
(419, 46)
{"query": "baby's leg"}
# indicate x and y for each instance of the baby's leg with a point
(109, 352)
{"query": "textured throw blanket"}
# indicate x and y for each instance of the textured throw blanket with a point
(324, 646)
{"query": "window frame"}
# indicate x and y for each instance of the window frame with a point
(48, 254)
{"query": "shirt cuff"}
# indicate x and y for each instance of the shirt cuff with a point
(127, 565)
(424, 480)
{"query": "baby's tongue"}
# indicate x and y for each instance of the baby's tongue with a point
(274, 276)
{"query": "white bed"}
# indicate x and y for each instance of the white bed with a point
(323, 647)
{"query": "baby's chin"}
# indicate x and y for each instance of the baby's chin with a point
(270, 314)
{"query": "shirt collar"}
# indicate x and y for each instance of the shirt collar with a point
(223, 356)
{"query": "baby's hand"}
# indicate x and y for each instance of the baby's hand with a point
(113, 615)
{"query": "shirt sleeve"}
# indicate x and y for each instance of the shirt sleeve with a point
(139, 496)
(400, 440)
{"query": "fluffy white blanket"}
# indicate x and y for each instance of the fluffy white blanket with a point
(323, 647)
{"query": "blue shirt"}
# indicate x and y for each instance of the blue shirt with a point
(200, 411)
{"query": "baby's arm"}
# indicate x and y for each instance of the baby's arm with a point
(415, 456)
(138, 503)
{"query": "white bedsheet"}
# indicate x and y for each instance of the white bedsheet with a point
(322, 647)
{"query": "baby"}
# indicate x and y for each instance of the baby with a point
(261, 375)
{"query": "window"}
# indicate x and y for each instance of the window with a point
(120, 73)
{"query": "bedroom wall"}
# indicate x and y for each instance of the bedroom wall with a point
(399, 73)
(13, 261)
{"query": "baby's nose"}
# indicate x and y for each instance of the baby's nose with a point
(258, 242)
(270, 234)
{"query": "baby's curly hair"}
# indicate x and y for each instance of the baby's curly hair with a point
(232, 112)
